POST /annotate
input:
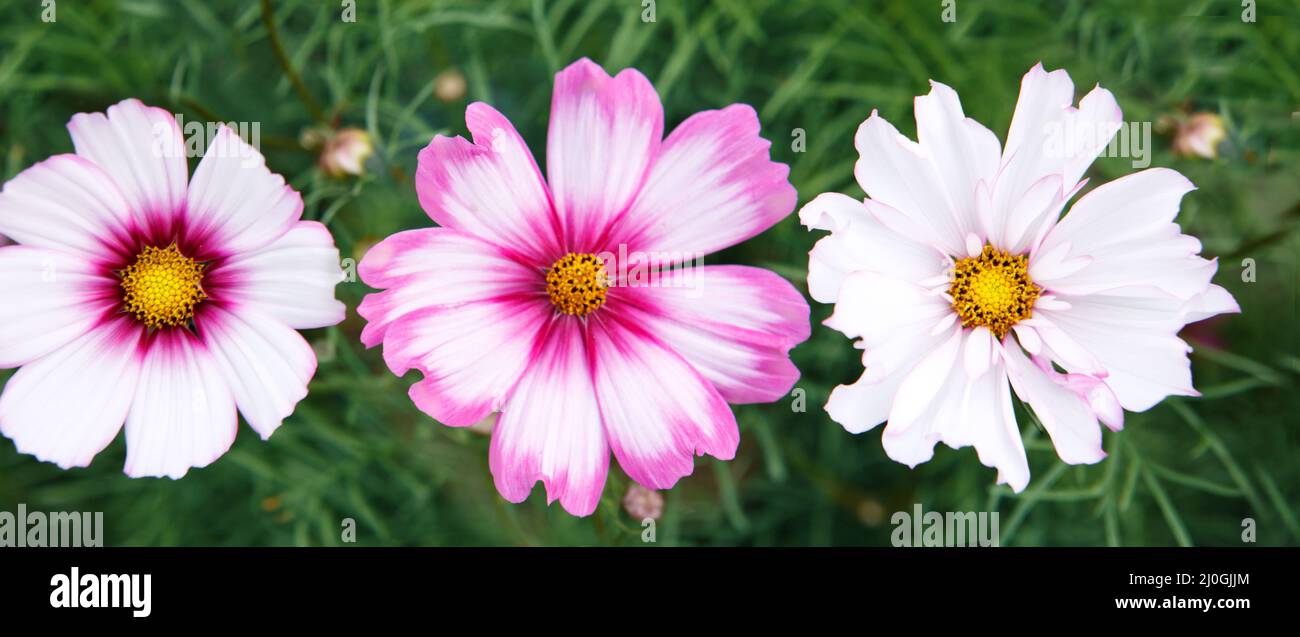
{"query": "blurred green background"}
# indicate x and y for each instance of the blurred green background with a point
(1186, 472)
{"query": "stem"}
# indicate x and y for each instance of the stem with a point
(273, 34)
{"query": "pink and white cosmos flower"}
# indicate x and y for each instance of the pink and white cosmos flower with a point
(962, 281)
(136, 295)
(509, 306)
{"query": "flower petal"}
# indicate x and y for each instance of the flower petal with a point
(1048, 136)
(603, 137)
(550, 428)
(434, 267)
(489, 188)
(51, 297)
(141, 149)
(236, 204)
(899, 173)
(962, 150)
(183, 414)
(68, 405)
(734, 324)
(471, 355)
(658, 411)
(712, 186)
(292, 279)
(1066, 415)
(860, 242)
(1125, 228)
(1135, 340)
(265, 364)
(67, 203)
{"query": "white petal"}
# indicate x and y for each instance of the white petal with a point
(926, 403)
(1068, 418)
(963, 151)
(292, 279)
(68, 405)
(236, 204)
(265, 364)
(183, 414)
(51, 297)
(976, 354)
(897, 172)
(67, 203)
(141, 149)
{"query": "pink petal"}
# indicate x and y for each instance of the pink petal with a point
(183, 414)
(68, 203)
(490, 188)
(68, 405)
(471, 355)
(51, 297)
(658, 411)
(550, 428)
(733, 324)
(292, 279)
(434, 267)
(265, 364)
(604, 135)
(236, 204)
(141, 149)
(712, 186)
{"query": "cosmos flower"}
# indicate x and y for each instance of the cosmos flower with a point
(137, 295)
(962, 281)
(538, 297)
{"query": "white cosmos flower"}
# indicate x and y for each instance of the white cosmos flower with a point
(963, 282)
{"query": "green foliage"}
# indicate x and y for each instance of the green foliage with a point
(1187, 471)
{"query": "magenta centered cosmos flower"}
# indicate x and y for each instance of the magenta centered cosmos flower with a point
(963, 281)
(576, 305)
(133, 296)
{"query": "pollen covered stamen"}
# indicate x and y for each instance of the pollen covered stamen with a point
(162, 287)
(993, 290)
(576, 284)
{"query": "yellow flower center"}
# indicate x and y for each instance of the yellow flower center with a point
(162, 287)
(576, 284)
(993, 290)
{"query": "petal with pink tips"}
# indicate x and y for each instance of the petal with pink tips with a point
(67, 406)
(734, 324)
(712, 186)
(1135, 340)
(550, 428)
(235, 203)
(1065, 414)
(292, 279)
(433, 267)
(658, 411)
(183, 413)
(265, 364)
(471, 355)
(603, 138)
(141, 149)
(489, 188)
